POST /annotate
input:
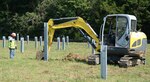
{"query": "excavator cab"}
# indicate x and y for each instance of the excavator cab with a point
(116, 34)
(126, 46)
(116, 31)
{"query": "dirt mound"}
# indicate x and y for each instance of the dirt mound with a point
(75, 57)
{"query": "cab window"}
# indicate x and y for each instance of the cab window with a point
(133, 25)
(121, 26)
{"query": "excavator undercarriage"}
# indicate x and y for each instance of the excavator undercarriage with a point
(125, 61)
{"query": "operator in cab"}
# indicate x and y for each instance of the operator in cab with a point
(12, 45)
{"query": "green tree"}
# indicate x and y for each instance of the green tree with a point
(27, 17)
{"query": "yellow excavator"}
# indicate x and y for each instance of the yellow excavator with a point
(125, 45)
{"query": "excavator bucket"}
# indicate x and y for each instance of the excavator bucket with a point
(40, 55)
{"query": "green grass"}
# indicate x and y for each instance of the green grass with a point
(25, 68)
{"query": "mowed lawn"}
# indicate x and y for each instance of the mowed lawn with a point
(25, 68)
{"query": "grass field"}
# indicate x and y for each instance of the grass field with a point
(25, 68)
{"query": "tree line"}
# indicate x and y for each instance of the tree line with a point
(26, 17)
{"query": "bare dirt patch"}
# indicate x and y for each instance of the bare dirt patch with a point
(69, 57)
(75, 57)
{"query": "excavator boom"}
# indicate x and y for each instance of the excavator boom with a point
(76, 22)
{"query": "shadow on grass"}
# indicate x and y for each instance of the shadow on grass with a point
(32, 58)
(68, 60)
(4, 57)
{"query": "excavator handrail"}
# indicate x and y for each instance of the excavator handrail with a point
(65, 18)
(76, 22)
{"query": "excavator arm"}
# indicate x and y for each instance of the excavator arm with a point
(76, 22)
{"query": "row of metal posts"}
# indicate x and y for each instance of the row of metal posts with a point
(65, 41)
(22, 42)
(35, 38)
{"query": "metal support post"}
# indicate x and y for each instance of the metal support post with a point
(40, 40)
(36, 42)
(45, 41)
(4, 41)
(93, 50)
(63, 43)
(58, 43)
(22, 45)
(103, 59)
(17, 37)
(27, 39)
(67, 40)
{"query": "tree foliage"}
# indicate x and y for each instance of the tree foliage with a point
(27, 16)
